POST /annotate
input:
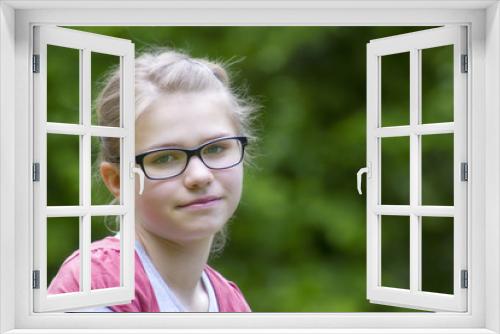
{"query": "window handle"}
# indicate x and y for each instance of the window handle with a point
(139, 171)
(361, 171)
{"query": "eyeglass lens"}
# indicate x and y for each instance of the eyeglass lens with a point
(170, 162)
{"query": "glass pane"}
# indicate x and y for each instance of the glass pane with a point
(111, 147)
(437, 254)
(395, 89)
(395, 251)
(437, 84)
(437, 169)
(395, 170)
(101, 66)
(102, 227)
(63, 84)
(62, 241)
(63, 170)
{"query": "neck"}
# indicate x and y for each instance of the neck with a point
(180, 265)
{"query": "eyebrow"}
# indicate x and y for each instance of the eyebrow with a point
(164, 145)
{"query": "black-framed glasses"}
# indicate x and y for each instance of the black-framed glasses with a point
(164, 163)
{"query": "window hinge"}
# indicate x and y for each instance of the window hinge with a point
(36, 63)
(464, 171)
(36, 279)
(36, 171)
(465, 64)
(465, 279)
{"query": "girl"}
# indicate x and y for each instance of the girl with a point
(191, 133)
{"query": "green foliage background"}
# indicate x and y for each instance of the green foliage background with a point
(298, 240)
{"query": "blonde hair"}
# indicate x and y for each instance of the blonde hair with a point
(160, 71)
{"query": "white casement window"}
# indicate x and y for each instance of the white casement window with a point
(470, 28)
(413, 45)
(83, 129)
(413, 210)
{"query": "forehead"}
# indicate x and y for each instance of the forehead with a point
(184, 119)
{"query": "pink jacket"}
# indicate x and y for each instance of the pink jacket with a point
(106, 273)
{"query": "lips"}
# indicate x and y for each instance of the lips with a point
(200, 201)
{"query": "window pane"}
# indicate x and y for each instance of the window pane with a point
(395, 89)
(101, 66)
(437, 84)
(63, 168)
(437, 169)
(395, 251)
(395, 170)
(63, 84)
(62, 241)
(102, 227)
(437, 254)
(109, 148)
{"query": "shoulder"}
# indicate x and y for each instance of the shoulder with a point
(228, 294)
(105, 267)
(105, 273)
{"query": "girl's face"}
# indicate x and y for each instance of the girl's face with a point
(187, 120)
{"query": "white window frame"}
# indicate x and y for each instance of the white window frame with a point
(414, 44)
(85, 43)
(482, 17)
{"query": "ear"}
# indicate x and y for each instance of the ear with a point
(110, 174)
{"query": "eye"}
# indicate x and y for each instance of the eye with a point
(163, 158)
(214, 149)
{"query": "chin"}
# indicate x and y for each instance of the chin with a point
(203, 229)
(188, 228)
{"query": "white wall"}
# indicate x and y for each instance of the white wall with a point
(492, 212)
(7, 165)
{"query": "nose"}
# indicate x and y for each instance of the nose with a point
(197, 174)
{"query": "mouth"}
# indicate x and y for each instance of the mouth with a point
(202, 203)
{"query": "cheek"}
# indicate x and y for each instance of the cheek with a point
(232, 182)
(155, 200)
